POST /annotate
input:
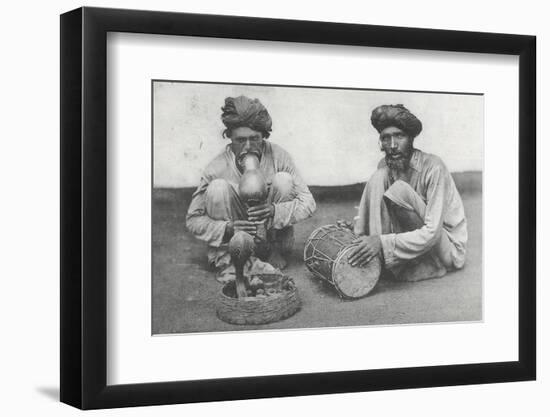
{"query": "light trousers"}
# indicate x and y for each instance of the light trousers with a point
(224, 203)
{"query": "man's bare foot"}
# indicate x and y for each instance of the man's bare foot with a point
(276, 260)
(421, 269)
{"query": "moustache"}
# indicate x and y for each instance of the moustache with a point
(396, 156)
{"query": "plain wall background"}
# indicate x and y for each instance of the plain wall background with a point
(30, 209)
(327, 132)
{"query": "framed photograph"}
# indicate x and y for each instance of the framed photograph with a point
(256, 208)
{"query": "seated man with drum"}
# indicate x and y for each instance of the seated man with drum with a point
(411, 214)
(253, 186)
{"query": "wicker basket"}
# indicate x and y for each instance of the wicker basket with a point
(256, 310)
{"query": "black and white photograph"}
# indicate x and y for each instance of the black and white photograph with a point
(294, 207)
(269, 209)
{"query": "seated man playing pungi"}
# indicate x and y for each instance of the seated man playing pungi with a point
(411, 214)
(217, 211)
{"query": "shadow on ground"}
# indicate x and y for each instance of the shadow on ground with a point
(184, 288)
(49, 392)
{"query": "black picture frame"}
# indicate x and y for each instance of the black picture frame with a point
(84, 207)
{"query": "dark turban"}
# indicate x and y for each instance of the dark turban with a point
(396, 115)
(244, 112)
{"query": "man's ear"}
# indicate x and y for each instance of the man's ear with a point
(380, 145)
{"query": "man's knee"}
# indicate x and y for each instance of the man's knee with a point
(283, 185)
(223, 202)
(405, 205)
(218, 191)
(401, 194)
(399, 189)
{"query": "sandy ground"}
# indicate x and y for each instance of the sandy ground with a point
(185, 290)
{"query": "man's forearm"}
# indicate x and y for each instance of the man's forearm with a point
(401, 247)
(207, 229)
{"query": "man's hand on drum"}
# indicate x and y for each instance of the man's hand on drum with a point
(261, 212)
(366, 247)
(346, 224)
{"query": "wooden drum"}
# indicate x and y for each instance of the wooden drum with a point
(326, 255)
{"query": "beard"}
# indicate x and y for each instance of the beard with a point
(399, 165)
(399, 162)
